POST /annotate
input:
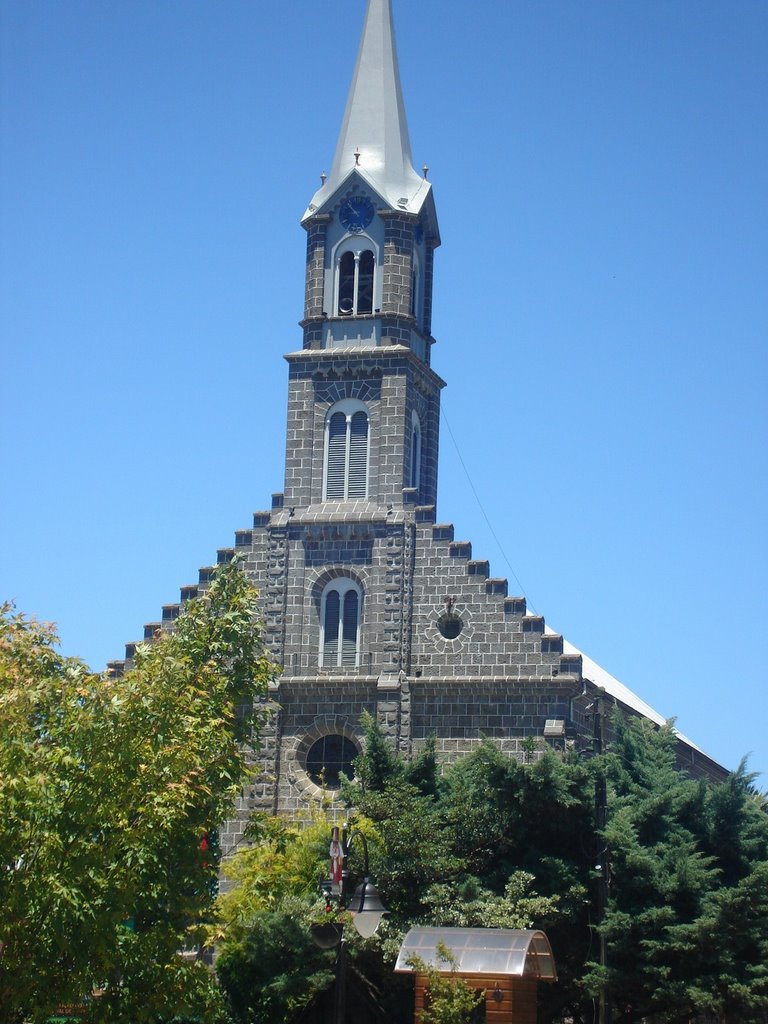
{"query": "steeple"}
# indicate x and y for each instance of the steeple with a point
(374, 136)
(364, 403)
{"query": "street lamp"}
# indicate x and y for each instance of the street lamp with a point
(365, 907)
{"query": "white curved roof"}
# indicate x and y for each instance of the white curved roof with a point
(490, 951)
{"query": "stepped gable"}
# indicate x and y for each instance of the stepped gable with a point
(449, 653)
(370, 604)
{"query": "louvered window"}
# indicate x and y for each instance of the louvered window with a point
(348, 646)
(340, 611)
(415, 478)
(356, 276)
(358, 456)
(415, 286)
(346, 447)
(337, 456)
(331, 631)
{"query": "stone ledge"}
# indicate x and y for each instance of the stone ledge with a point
(322, 680)
(460, 549)
(347, 512)
(373, 354)
(563, 682)
(496, 586)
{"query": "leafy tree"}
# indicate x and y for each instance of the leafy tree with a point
(471, 905)
(449, 998)
(110, 791)
(268, 964)
(492, 842)
(423, 772)
(270, 967)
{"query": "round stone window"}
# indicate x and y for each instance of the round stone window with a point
(450, 625)
(328, 757)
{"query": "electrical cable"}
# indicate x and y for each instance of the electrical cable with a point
(516, 578)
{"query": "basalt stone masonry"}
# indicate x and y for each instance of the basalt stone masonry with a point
(369, 602)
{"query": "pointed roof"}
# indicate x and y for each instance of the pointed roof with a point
(374, 138)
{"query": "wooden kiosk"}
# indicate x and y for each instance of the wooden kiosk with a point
(507, 963)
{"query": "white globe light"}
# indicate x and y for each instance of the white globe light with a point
(367, 921)
(367, 909)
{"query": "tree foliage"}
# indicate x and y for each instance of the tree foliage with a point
(683, 935)
(111, 789)
(490, 842)
(449, 999)
(268, 963)
(452, 848)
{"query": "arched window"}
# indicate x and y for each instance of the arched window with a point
(346, 451)
(340, 624)
(355, 277)
(415, 477)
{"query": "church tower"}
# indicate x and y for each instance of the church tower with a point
(361, 393)
(362, 433)
(370, 604)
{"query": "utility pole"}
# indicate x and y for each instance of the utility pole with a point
(601, 847)
(340, 988)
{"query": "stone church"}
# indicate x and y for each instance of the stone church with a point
(370, 602)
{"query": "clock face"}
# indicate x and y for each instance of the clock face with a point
(356, 213)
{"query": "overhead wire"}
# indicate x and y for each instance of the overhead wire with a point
(484, 514)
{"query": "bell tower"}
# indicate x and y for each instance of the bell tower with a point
(363, 412)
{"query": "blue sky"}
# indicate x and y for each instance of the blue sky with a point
(600, 172)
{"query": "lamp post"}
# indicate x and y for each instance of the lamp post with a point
(365, 906)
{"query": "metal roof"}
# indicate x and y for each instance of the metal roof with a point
(612, 686)
(522, 953)
(374, 140)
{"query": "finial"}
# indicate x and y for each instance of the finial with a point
(323, 176)
(425, 170)
(357, 155)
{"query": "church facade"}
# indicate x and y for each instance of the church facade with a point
(370, 602)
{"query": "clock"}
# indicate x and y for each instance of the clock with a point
(356, 213)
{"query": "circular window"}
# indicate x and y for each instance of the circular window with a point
(450, 625)
(328, 757)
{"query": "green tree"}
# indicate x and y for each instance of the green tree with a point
(444, 850)
(379, 765)
(449, 998)
(111, 789)
(270, 966)
(268, 963)
(493, 842)
(686, 926)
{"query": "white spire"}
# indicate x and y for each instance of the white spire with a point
(374, 132)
